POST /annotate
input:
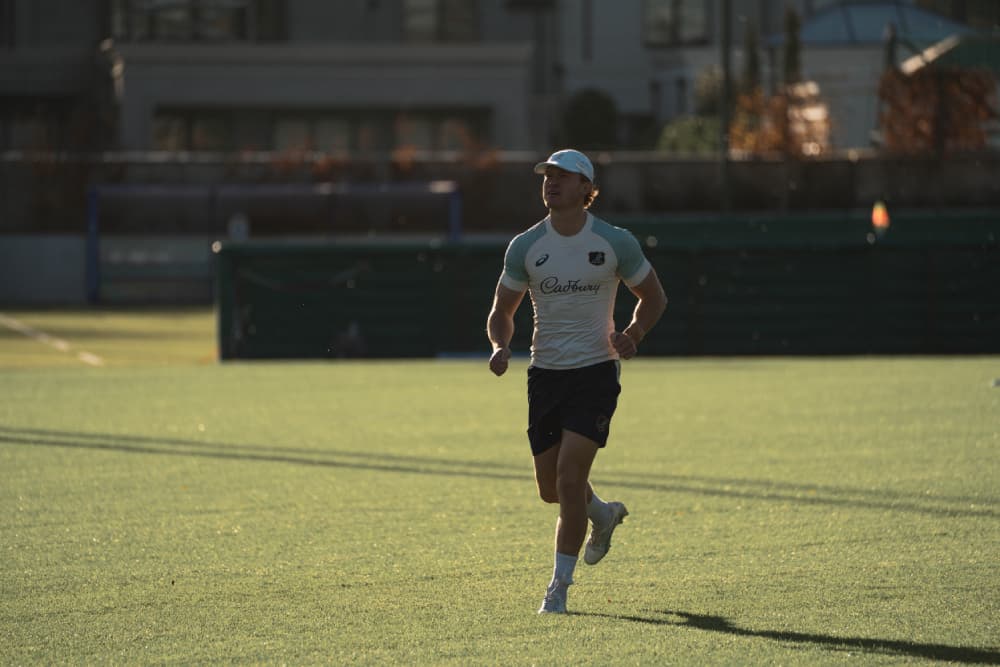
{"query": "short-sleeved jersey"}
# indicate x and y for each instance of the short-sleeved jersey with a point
(573, 282)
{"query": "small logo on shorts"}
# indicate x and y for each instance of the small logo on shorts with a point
(541, 260)
(602, 423)
(597, 258)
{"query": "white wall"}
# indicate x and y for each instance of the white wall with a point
(848, 79)
(623, 66)
(616, 60)
(493, 76)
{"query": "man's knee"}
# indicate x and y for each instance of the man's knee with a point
(570, 486)
(548, 494)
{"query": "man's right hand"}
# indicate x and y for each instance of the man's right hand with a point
(498, 362)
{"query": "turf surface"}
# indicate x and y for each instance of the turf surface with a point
(165, 508)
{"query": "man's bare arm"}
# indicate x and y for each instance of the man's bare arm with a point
(652, 302)
(500, 326)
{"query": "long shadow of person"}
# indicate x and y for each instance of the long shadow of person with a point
(709, 623)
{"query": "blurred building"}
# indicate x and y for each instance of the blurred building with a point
(368, 75)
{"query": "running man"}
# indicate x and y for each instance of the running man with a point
(571, 263)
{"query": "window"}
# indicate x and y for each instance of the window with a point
(192, 130)
(332, 134)
(170, 132)
(195, 20)
(440, 21)
(8, 24)
(292, 133)
(414, 131)
(31, 132)
(329, 131)
(210, 132)
(675, 22)
(456, 134)
(27, 124)
(420, 20)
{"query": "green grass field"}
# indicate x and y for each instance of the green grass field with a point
(164, 508)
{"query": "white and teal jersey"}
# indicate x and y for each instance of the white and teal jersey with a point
(573, 281)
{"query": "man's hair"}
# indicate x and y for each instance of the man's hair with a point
(592, 196)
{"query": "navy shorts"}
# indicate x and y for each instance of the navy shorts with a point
(581, 400)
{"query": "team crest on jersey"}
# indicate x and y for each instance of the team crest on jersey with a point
(597, 258)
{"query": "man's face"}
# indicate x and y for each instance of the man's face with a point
(564, 190)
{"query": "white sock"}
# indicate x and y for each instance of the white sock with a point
(597, 510)
(563, 572)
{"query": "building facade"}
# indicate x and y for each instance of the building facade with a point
(373, 75)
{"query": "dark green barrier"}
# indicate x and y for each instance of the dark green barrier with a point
(817, 285)
(288, 301)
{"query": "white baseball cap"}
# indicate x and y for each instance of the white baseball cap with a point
(570, 160)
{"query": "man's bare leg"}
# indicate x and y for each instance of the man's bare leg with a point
(576, 456)
(572, 461)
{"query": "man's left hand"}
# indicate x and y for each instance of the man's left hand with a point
(623, 344)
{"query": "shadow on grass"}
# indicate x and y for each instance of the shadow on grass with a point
(891, 647)
(379, 462)
(747, 489)
(805, 488)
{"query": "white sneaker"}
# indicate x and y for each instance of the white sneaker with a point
(555, 599)
(600, 537)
